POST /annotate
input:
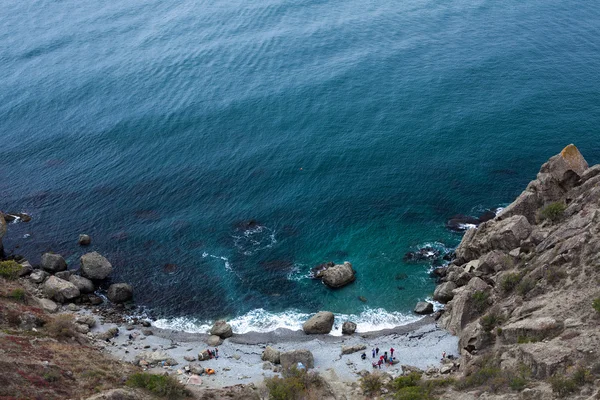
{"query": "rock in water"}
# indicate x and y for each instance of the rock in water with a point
(321, 322)
(292, 358)
(339, 275)
(270, 354)
(443, 293)
(84, 240)
(60, 290)
(53, 262)
(94, 266)
(423, 307)
(120, 292)
(348, 328)
(221, 329)
(83, 284)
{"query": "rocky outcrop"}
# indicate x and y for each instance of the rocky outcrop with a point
(336, 276)
(443, 293)
(83, 284)
(38, 276)
(423, 307)
(60, 290)
(53, 262)
(94, 266)
(320, 323)
(348, 328)
(292, 358)
(221, 329)
(271, 355)
(119, 292)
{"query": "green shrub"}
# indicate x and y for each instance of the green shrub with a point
(527, 339)
(161, 385)
(409, 380)
(480, 300)
(553, 211)
(581, 376)
(490, 321)
(555, 275)
(483, 375)
(294, 384)
(510, 281)
(61, 326)
(371, 383)
(562, 386)
(412, 393)
(18, 294)
(596, 304)
(10, 269)
(525, 286)
(517, 383)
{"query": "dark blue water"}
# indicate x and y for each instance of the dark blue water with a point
(217, 150)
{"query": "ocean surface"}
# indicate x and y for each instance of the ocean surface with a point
(218, 150)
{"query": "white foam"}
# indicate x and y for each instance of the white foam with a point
(252, 240)
(227, 264)
(466, 226)
(260, 320)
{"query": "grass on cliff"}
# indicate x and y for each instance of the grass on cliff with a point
(296, 384)
(596, 304)
(10, 269)
(161, 385)
(553, 211)
(408, 387)
(489, 376)
(565, 386)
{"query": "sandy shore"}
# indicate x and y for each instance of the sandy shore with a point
(419, 344)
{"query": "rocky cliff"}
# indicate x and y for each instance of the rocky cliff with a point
(522, 286)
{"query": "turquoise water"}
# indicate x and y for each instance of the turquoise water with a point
(348, 130)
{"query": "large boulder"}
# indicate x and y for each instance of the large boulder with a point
(214, 340)
(443, 293)
(83, 284)
(348, 328)
(53, 262)
(94, 266)
(221, 329)
(60, 290)
(423, 307)
(339, 275)
(320, 323)
(48, 305)
(292, 358)
(353, 348)
(38, 276)
(120, 292)
(270, 354)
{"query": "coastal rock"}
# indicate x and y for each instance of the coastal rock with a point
(443, 293)
(86, 319)
(151, 357)
(271, 355)
(83, 284)
(493, 235)
(60, 290)
(214, 340)
(339, 275)
(316, 272)
(353, 349)
(320, 323)
(221, 329)
(534, 329)
(348, 328)
(292, 358)
(48, 305)
(64, 275)
(53, 262)
(461, 222)
(109, 334)
(84, 240)
(120, 292)
(203, 355)
(26, 268)
(423, 307)
(38, 276)
(94, 266)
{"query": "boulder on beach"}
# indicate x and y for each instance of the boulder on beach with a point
(320, 323)
(60, 290)
(53, 262)
(120, 292)
(423, 307)
(348, 328)
(48, 305)
(203, 355)
(83, 284)
(84, 240)
(63, 275)
(353, 349)
(38, 276)
(271, 355)
(214, 340)
(221, 329)
(95, 266)
(292, 358)
(338, 275)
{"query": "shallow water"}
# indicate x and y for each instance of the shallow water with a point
(218, 150)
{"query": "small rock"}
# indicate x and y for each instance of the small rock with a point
(60, 290)
(146, 324)
(348, 328)
(72, 307)
(86, 319)
(26, 268)
(48, 305)
(38, 276)
(147, 332)
(423, 307)
(84, 240)
(82, 328)
(189, 358)
(236, 356)
(271, 355)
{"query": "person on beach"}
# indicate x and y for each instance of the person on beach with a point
(385, 356)
(373, 353)
(392, 352)
(376, 350)
(379, 363)
(216, 353)
(363, 356)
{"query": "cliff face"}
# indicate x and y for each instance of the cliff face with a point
(526, 280)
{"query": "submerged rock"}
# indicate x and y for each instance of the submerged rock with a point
(94, 266)
(84, 240)
(320, 323)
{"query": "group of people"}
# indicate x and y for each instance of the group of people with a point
(213, 353)
(383, 359)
